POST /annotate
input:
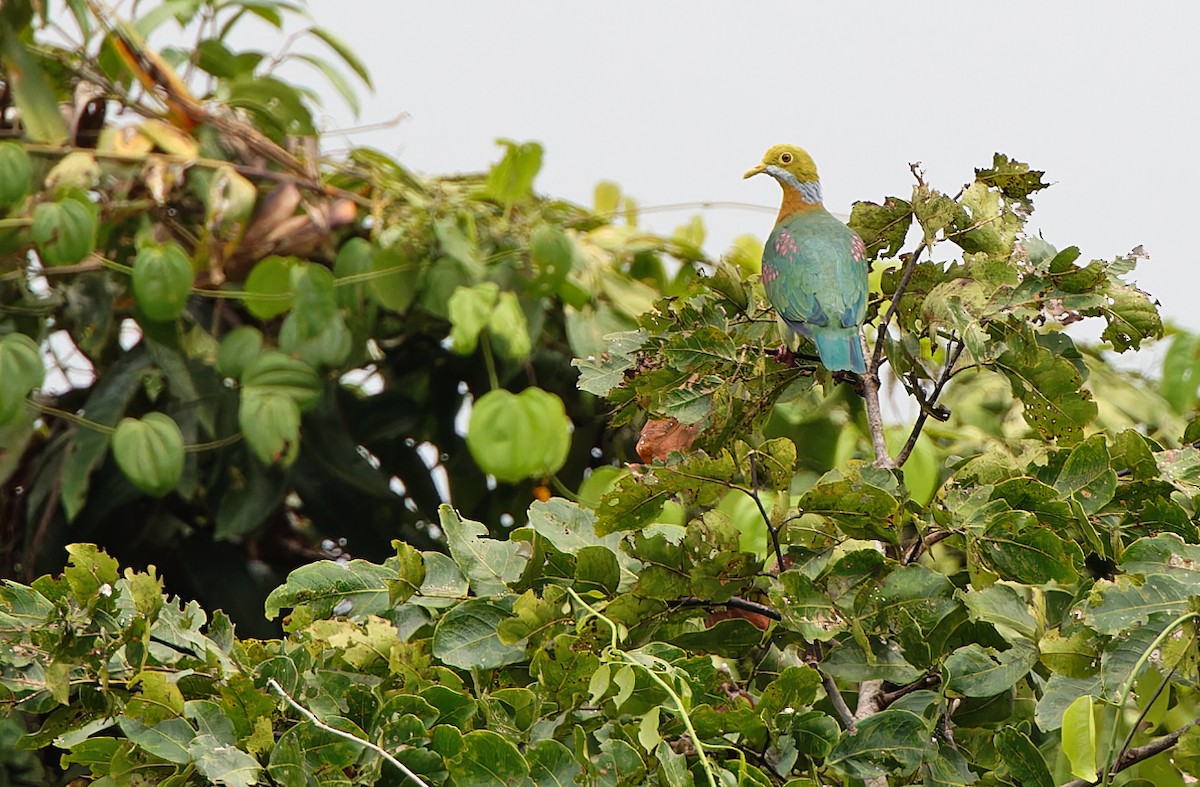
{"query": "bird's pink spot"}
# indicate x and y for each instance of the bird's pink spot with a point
(857, 248)
(769, 273)
(785, 245)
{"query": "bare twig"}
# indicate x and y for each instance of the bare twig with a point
(927, 403)
(924, 542)
(246, 170)
(909, 266)
(274, 684)
(1138, 753)
(753, 492)
(838, 701)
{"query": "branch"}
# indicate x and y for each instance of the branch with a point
(838, 701)
(924, 542)
(334, 731)
(1138, 753)
(909, 266)
(763, 511)
(870, 702)
(870, 380)
(927, 402)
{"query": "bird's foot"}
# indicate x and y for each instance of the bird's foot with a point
(853, 379)
(785, 355)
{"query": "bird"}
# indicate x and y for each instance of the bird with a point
(814, 267)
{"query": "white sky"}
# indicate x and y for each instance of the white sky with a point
(674, 100)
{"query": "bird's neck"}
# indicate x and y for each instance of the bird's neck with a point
(799, 197)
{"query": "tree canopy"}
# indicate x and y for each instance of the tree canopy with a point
(526, 491)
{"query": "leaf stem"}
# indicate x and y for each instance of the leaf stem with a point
(485, 342)
(1115, 765)
(274, 684)
(625, 659)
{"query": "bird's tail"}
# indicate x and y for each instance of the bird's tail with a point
(841, 350)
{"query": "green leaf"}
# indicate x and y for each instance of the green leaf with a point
(511, 179)
(975, 671)
(470, 309)
(891, 743)
(1024, 761)
(345, 53)
(270, 422)
(882, 227)
(1079, 738)
(987, 224)
(106, 402)
(327, 588)
(934, 211)
(509, 329)
(32, 93)
(1164, 555)
(238, 350)
(1088, 475)
(275, 373)
(335, 79)
(314, 331)
(162, 281)
(1114, 606)
(1003, 607)
(490, 564)
(518, 436)
(16, 174)
(1186, 754)
(269, 287)
(1132, 318)
(551, 254)
(168, 739)
(275, 106)
(815, 734)
(221, 763)
(1032, 555)
(805, 608)
(466, 637)
(600, 375)
(64, 232)
(395, 280)
(1180, 370)
(1014, 179)
(551, 764)
(859, 509)
(150, 452)
(1049, 388)
(21, 370)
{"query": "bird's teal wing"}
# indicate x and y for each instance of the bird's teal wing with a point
(815, 272)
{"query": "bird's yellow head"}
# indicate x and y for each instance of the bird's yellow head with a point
(788, 164)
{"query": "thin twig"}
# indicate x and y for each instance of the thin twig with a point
(753, 492)
(924, 542)
(838, 701)
(334, 731)
(927, 402)
(909, 266)
(301, 181)
(1133, 728)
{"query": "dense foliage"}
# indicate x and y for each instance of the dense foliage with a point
(275, 354)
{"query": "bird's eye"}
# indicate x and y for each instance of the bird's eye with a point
(786, 158)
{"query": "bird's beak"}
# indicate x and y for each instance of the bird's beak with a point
(757, 169)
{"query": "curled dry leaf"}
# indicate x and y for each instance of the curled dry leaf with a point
(661, 436)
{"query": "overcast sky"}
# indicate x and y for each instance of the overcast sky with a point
(674, 100)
